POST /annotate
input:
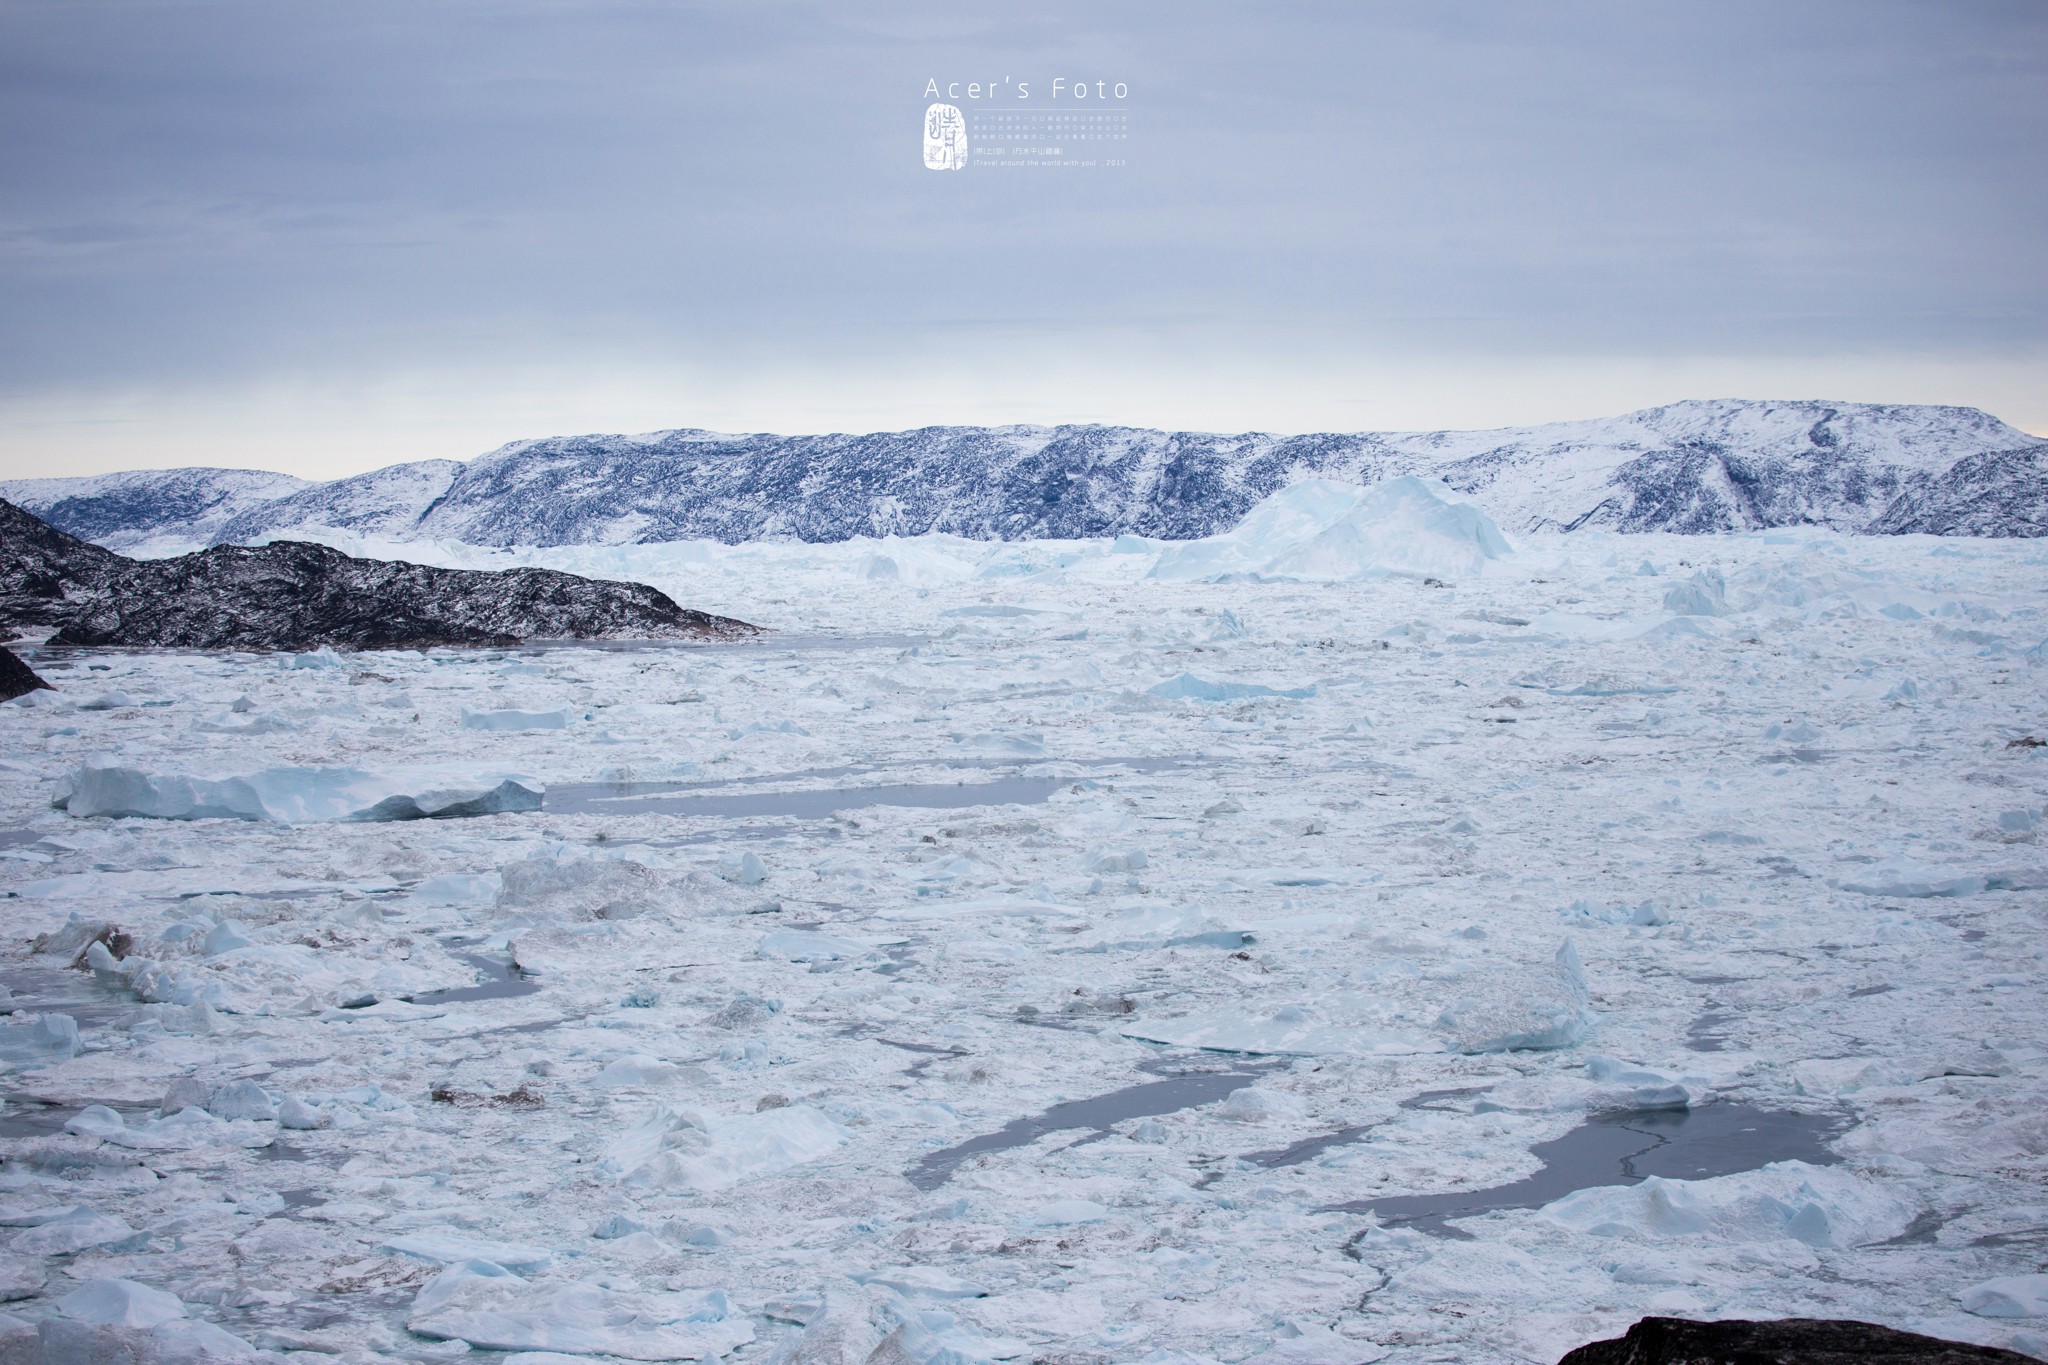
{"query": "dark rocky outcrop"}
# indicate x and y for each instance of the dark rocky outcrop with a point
(17, 679)
(1786, 1341)
(292, 595)
(2004, 493)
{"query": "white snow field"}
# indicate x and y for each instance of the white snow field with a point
(1048, 951)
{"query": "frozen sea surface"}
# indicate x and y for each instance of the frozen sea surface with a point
(1026, 956)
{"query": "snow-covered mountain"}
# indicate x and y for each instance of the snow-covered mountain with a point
(1692, 467)
(131, 511)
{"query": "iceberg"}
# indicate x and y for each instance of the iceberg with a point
(295, 796)
(1817, 1205)
(1321, 531)
(38, 1042)
(2009, 1296)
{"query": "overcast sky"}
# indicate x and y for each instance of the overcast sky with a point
(322, 237)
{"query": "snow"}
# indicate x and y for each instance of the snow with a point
(650, 1070)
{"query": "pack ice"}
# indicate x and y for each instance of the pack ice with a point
(1051, 950)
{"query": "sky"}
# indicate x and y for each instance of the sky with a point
(325, 237)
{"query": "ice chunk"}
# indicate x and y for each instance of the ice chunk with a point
(1062, 1213)
(79, 1229)
(20, 1278)
(184, 1131)
(296, 1114)
(452, 1246)
(120, 1303)
(1255, 1105)
(639, 1070)
(26, 1043)
(1290, 1031)
(241, 1100)
(1908, 879)
(684, 1150)
(502, 1312)
(1818, 1205)
(796, 945)
(321, 658)
(569, 886)
(1704, 594)
(1318, 530)
(459, 888)
(743, 869)
(1523, 1011)
(514, 720)
(2009, 1296)
(1188, 687)
(224, 937)
(836, 1332)
(294, 796)
(923, 1281)
(196, 1340)
(1107, 861)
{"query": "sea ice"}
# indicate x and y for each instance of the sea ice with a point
(488, 1307)
(452, 1246)
(1515, 1011)
(514, 720)
(681, 1150)
(1188, 687)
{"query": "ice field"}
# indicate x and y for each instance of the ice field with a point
(1051, 951)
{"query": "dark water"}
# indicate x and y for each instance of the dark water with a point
(52, 989)
(1100, 1114)
(1705, 1034)
(810, 805)
(1625, 1149)
(1308, 1149)
(502, 981)
(34, 1119)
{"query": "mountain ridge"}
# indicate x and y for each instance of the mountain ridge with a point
(1697, 467)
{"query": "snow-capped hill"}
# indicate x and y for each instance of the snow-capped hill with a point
(1693, 467)
(146, 509)
(384, 502)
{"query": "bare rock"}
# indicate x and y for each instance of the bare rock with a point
(1785, 1341)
